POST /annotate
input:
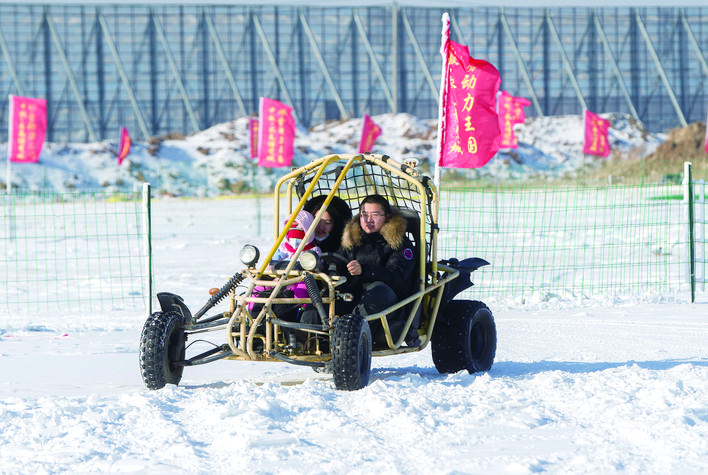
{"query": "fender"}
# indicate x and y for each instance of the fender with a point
(170, 302)
(464, 280)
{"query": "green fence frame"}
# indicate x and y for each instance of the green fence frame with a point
(575, 242)
(84, 252)
(74, 252)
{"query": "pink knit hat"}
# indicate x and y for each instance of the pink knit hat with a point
(297, 232)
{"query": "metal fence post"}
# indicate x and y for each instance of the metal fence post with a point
(701, 200)
(148, 246)
(688, 197)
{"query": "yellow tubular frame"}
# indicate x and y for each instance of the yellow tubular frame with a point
(431, 287)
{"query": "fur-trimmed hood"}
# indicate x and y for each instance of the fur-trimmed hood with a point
(393, 231)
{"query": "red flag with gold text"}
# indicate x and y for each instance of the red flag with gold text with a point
(511, 112)
(276, 134)
(369, 133)
(596, 140)
(470, 133)
(27, 125)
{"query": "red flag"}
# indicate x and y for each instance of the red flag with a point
(27, 126)
(253, 136)
(276, 134)
(124, 147)
(511, 111)
(369, 133)
(596, 135)
(470, 133)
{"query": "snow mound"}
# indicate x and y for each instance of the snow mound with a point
(216, 161)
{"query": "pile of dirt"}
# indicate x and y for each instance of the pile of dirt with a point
(687, 143)
(683, 144)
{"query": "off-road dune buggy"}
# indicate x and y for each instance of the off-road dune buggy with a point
(254, 327)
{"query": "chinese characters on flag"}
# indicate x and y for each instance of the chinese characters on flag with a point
(369, 133)
(276, 134)
(27, 125)
(124, 146)
(469, 131)
(511, 112)
(596, 135)
(253, 136)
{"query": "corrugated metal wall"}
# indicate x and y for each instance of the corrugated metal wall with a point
(167, 69)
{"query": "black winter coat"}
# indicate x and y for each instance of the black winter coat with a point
(386, 256)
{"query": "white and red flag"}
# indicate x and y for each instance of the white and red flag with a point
(276, 134)
(26, 129)
(511, 112)
(124, 145)
(469, 133)
(596, 141)
(369, 133)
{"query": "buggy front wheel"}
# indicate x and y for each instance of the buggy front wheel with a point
(351, 352)
(162, 343)
(465, 337)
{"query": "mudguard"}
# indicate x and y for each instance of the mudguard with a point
(170, 302)
(464, 280)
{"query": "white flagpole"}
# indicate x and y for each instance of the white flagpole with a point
(361, 138)
(443, 82)
(585, 118)
(10, 210)
(8, 179)
(496, 166)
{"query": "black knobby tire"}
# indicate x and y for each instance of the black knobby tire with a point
(161, 344)
(465, 337)
(351, 352)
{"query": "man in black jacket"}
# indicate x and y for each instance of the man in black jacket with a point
(381, 263)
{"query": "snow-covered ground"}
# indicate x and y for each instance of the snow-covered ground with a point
(573, 390)
(577, 387)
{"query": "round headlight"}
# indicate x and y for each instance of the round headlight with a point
(249, 255)
(309, 260)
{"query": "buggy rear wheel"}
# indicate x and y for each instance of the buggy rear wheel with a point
(465, 338)
(162, 343)
(351, 352)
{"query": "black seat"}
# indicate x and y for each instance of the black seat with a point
(413, 234)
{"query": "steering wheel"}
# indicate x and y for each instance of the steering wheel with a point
(334, 263)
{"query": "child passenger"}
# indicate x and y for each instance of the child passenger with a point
(285, 252)
(295, 235)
